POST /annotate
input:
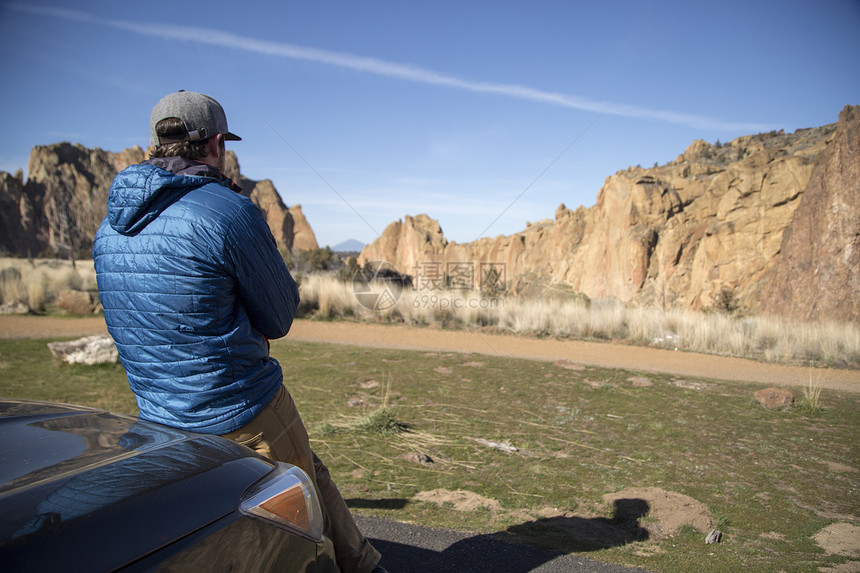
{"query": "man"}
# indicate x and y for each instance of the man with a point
(193, 288)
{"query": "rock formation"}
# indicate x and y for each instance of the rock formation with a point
(289, 226)
(57, 211)
(59, 208)
(817, 274)
(677, 235)
(17, 227)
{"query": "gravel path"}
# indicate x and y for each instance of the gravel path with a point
(429, 339)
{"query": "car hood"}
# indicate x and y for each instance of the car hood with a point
(43, 441)
(69, 473)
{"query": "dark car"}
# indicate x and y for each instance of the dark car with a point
(88, 490)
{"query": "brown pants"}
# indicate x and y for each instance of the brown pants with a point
(279, 434)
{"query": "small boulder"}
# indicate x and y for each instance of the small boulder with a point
(90, 350)
(418, 458)
(715, 536)
(775, 398)
(14, 307)
(568, 364)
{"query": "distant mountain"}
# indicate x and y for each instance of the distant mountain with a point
(348, 246)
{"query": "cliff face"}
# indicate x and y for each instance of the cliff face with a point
(57, 211)
(817, 274)
(17, 211)
(674, 236)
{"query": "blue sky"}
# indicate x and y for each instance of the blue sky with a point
(484, 115)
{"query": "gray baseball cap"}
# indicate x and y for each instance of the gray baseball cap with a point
(203, 117)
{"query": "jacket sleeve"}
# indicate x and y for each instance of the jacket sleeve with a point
(265, 287)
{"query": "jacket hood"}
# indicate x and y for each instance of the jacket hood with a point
(140, 193)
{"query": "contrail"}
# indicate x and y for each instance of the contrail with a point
(405, 72)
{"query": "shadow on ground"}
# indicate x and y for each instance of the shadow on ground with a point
(518, 549)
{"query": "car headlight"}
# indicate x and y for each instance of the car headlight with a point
(286, 497)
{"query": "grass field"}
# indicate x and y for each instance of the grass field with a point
(528, 450)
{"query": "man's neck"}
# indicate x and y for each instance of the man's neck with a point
(182, 166)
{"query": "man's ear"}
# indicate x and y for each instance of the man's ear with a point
(214, 146)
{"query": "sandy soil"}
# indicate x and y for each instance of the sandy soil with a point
(587, 353)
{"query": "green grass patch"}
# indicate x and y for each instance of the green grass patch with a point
(771, 480)
(28, 370)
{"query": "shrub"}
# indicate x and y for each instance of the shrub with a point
(812, 395)
(381, 422)
(314, 260)
(348, 272)
(726, 301)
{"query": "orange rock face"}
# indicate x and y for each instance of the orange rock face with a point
(675, 236)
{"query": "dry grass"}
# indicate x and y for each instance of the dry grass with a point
(329, 297)
(766, 338)
(812, 394)
(38, 282)
(564, 315)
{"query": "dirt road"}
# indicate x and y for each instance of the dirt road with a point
(588, 353)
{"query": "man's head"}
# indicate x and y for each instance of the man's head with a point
(190, 125)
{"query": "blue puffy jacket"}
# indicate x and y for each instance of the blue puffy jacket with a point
(192, 286)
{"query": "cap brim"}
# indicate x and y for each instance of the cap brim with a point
(231, 137)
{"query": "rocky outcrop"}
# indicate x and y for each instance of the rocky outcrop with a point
(817, 274)
(59, 208)
(677, 235)
(17, 212)
(289, 226)
(57, 211)
(303, 235)
(407, 243)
